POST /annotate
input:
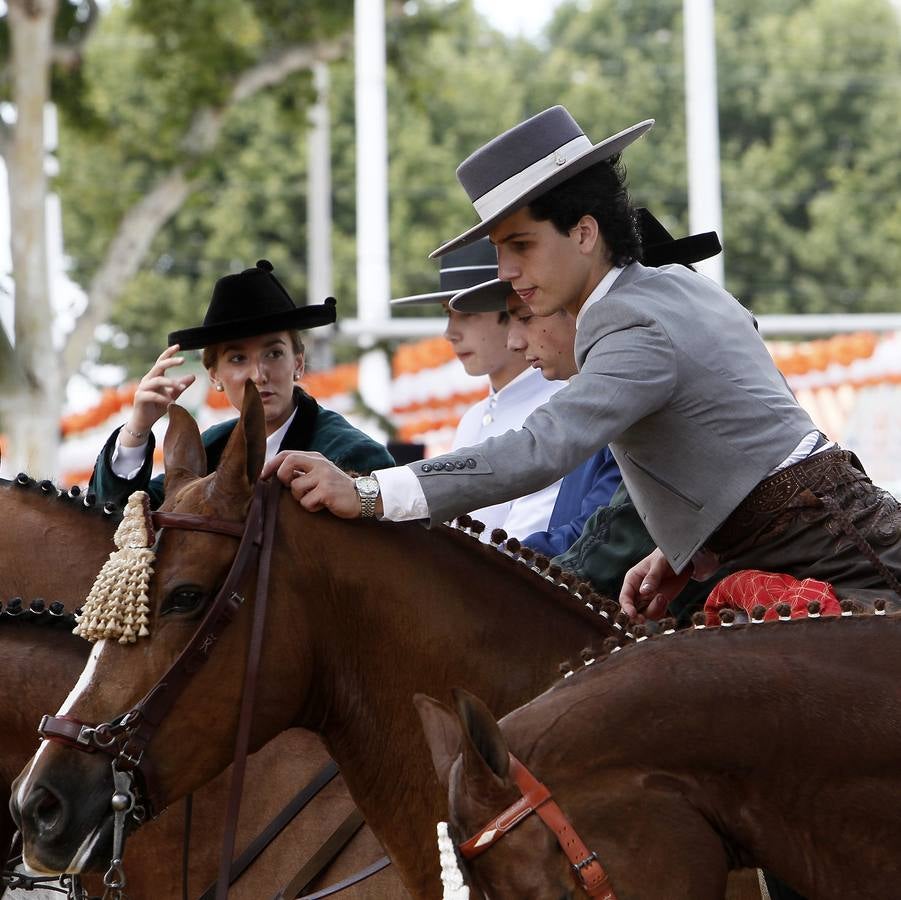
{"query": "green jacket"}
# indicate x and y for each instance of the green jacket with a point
(314, 428)
(613, 540)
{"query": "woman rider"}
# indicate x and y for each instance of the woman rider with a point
(251, 330)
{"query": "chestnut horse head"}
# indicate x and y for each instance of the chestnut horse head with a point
(63, 798)
(47, 563)
(50, 541)
(361, 615)
(769, 745)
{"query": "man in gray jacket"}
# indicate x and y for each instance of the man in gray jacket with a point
(717, 455)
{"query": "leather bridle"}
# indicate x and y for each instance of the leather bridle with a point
(125, 738)
(537, 798)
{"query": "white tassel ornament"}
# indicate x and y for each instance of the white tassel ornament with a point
(117, 605)
(451, 876)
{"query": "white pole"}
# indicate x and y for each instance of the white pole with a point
(319, 212)
(705, 210)
(373, 280)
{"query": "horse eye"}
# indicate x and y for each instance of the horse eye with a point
(184, 599)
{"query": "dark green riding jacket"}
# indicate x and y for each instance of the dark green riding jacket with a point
(314, 428)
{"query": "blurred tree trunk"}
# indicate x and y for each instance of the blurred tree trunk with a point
(31, 413)
(31, 403)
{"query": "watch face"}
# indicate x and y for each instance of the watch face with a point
(368, 485)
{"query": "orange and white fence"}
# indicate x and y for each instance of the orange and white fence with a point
(850, 384)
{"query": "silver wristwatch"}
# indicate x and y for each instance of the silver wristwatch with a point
(368, 492)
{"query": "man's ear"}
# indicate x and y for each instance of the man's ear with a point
(442, 733)
(587, 232)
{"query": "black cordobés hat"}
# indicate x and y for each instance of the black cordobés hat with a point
(248, 304)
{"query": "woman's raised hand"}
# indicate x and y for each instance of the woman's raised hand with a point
(156, 390)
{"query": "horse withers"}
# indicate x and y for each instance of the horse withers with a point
(690, 754)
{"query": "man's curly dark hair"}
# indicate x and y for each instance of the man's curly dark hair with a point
(601, 192)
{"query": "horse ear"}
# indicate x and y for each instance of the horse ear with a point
(245, 451)
(483, 745)
(183, 453)
(442, 733)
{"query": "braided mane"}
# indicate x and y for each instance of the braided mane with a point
(41, 610)
(37, 612)
(524, 563)
(728, 620)
(73, 497)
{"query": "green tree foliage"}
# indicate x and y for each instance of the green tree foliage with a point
(809, 93)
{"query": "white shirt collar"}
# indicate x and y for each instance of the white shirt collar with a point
(599, 292)
(274, 441)
(511, 387)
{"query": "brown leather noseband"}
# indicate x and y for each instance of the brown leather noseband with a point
(125, 738)
(537, 798)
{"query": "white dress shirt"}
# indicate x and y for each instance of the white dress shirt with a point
(499, 412)
(402, 497)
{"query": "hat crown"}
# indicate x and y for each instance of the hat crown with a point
(468, 266)
(516, 150)
(253, 292)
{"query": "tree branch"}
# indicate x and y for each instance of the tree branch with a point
(68, 55)
(207, 123)
(126, 252)
(141, 224)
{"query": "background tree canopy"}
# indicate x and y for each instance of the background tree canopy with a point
(809, 92)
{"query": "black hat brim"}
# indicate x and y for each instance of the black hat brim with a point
(299, 319)
(492, 295)
(683, 251)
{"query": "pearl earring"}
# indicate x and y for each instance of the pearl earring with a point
(219, 387)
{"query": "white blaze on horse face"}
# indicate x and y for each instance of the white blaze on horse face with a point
(84, 680)
(83, 853)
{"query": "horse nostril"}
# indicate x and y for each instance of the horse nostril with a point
(45, 811)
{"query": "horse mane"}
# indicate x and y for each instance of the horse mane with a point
(37, 612)
(639, 633)
(549, 580)
(74, 497)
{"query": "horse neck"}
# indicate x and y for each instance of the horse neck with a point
(751, 726)
(56, 547)
(401, 610)
(53, 658)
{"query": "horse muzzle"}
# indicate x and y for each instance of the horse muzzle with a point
(66, 824)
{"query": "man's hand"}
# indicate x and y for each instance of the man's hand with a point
(315, 482)
(649, 586)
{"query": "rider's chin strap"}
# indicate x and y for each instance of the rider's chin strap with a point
(537, 798)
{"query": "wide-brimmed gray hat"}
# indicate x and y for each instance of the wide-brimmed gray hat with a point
(525, 162)
(659, 249)
(470, 265)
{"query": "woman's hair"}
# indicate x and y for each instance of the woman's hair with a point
(600, 192)
(210, 354)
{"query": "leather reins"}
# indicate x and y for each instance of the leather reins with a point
(537, 798)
